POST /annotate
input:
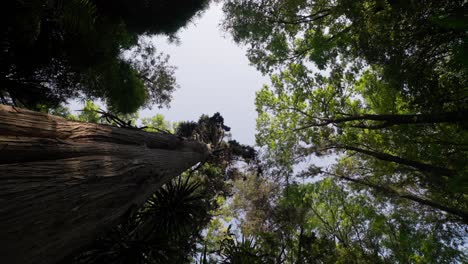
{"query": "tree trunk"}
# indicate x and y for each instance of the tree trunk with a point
(389, 191)
(63, 182)
(391, 119)
(424, 167)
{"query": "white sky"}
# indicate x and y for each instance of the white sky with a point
(214, 76)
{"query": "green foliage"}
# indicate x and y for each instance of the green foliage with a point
(92, 113)
(362, 81)
(153, 17)
(325, 222)
(416, 45)
(237, 252)
(379, 88)
(210, 130)
(372, 128)
(70, 49)
(253, 203)
(60, 110)
(125, 84)
(89, 113)
(157, 123)
(177, 207)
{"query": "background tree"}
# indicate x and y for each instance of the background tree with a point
(325, 222)
(380, 84)
(378, 88)
(427, 156)
(418, 46)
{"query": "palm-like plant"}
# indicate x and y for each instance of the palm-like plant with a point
(177, 207)
(233, 251)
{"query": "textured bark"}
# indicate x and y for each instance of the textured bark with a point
(62, 182)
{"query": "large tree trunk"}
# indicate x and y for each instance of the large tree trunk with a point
(62, 182)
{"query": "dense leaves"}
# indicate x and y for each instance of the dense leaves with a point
(325, 222)
(379, 84)
(418, 46)
(56, 50)
(379, 89)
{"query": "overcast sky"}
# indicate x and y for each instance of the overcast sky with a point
(214, 76)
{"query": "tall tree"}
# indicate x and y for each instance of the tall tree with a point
(379, 84)
(64, 181)
(419, 47)
(168, 227)
(326, 222)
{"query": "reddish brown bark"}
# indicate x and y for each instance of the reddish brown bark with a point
(62, 182)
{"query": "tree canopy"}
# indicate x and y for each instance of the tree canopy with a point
(57, 50)
(377, 87)
(379, 84)
(417, 48)
(325, 222)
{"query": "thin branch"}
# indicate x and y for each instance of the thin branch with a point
(301, 19)
(404, 195)
(391, 120)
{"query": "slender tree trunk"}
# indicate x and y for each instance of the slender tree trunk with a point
(299, 246)
(392, 192)
(390, 119)
(63, 182)
(425, 167)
